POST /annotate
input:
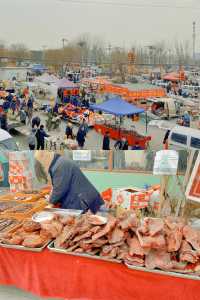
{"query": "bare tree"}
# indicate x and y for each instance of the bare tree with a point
(20, 52)
(119, 59)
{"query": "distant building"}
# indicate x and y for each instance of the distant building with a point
(8, 73)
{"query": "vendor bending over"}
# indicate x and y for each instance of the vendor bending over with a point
(71, 189)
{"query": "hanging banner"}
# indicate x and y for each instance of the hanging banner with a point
(193, 188)
(166, 162)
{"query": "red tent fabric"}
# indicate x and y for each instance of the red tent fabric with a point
(172, 77)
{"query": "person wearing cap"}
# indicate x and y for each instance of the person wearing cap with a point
(70, 187)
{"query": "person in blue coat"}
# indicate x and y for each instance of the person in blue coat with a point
(40, 136)
(6, 105)
(71, 188)
(80, 137)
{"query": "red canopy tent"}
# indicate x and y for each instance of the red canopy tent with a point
(175, 76)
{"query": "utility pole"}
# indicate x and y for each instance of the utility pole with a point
(63, 44)
(110, 59)
(194, 40)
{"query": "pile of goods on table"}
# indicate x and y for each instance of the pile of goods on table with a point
(17, 207)
(30, 234)
(167, 244)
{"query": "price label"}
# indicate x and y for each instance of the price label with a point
(166, 162)
(82, 155)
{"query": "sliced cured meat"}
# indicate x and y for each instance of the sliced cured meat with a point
(192, 236)
(113, 253)
(79, 250)
(187, 254)
(151, 226)
(135, 247)
(95, 229)
(106, 249)
(123, 251)
(155, 226)
(67, 220)
(116, 236)
(15, 240)
(98, 243)
(33, 241)
(134, 260)
(85, 246)
(158, 259)
(149, 242)
(73, 248)
(107, 228)
(110, 252)
(83, 236)
(66, 234)
(31, 226)
(173, 230)
(128, 220)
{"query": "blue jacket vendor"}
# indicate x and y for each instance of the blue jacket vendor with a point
(70, 187)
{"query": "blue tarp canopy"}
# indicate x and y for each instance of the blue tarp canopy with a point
(117, 106)
(38, 68)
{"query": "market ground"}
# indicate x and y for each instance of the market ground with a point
(12, 293)
(94, 140)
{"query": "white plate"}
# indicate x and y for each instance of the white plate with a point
(43, 216)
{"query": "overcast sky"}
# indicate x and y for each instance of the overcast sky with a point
(45, 22)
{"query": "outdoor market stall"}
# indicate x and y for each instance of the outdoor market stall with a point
(67, 89)
(49, 274)
(120, 108)
(110, 255)
(76, 114)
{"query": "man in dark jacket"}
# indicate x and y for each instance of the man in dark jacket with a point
(36, 122)
(80, 137)
(40, 136)
(71, 188)
(4, 121)
(121, 144)
(106, 141)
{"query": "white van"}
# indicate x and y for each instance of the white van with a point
(184, 138)
(7, 142)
